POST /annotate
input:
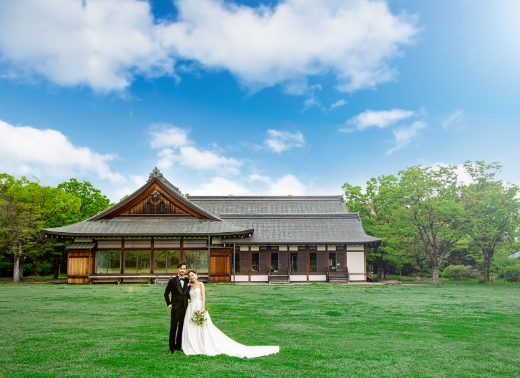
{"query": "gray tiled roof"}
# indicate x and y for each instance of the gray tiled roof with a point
(149, 226)
(271, 204)
(260, 220)
(81, 245)
(304, 229)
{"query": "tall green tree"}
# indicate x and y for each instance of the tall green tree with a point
(57, 208)
(92, 200)
(377, 207)
(92, 203)
(19, 217)
(493, 209)
(430, 201)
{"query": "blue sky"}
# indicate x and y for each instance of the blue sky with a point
(248, 97)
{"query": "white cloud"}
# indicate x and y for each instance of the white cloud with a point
(193, 158)
(404, 135)
(101, 44)
(283, 186)
(381, 119)
(168, 136)
(338, 103)
(257, 177)
(104, 44)
(310, 102)
(278, 141)
(463, 176)
(286, 43)
(453, 117)
(219, 186)
(286, 185)
(27, 150)
(183, 154)
(135, 183)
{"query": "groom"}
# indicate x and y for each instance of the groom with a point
(180, 291)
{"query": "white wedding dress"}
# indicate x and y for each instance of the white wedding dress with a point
(210, 341)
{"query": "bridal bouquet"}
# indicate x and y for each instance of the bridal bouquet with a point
(198, 318)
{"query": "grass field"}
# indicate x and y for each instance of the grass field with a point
(322, 330)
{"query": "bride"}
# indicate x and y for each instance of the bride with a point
(208, 339)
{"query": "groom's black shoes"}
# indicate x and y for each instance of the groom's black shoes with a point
(171, 351)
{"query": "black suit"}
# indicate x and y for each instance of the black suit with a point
(179, 303)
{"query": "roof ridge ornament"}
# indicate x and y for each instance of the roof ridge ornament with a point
(156, 173)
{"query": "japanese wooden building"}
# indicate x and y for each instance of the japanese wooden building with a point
(266, 239)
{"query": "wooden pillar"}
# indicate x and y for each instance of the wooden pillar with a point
(181, 251)
(209, 256)
(122, 262)
(249, 262)
(152, 257)
(307, 262)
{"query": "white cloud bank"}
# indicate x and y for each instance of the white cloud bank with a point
(404, 135)
(219, 186)
(283, 186)
(30, 151)
(278, 141)
(175, 149)
(338, 103)
(103, 44)
(383, 118)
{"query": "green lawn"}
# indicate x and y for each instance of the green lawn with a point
(322, 330)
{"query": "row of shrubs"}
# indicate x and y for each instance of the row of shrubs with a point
(458, 272)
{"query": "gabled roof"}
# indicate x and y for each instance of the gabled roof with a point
(155, 180)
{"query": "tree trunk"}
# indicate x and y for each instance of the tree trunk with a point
(435, 274)
(34, 269)
(379, 261)
(57, 263)
(488, 256)
(22, 261)
(16, 268)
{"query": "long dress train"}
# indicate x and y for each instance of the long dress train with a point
(209, 340)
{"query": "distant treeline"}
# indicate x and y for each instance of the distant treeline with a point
(429, 220)
(26, 207)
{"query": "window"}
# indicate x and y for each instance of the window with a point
(108, 262)
(332, 262)
(143, 262)
(137, 262)
(166, 261)
(130, 262)
(196, 260)
(255, 262)
(173, 261)
(160, 260)
(340, 248)
(302, 248)
(274, 262)
(313, 264)
(294, 262)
